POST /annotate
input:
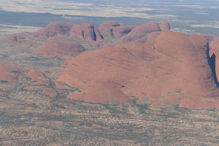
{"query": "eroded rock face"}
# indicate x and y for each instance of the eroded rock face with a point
(189, 71)
(199, 41)
(147, 62)
(86, 32)
(102, 87)
(53, 29)
(107, 33)
(174, 69)
(139, 32)
(164, 26)
(113, 30)
(60, 47)
(214, 55)
(16, 38)
(38, 77)
(7, 73)
(49, 92)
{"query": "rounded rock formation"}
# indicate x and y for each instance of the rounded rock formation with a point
(165, 26)
(60, 47)
(174, 69)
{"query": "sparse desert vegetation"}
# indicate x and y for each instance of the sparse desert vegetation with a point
(67, 122)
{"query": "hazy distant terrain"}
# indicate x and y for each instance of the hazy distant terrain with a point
(184, 15)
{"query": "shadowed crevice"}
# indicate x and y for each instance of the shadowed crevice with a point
(212, 64)
(213, 69)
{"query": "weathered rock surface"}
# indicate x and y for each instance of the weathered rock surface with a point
(60, 47)
(86, 31)
(164, 26)
(53, 29)
(7, 73)
(174, 69)
(146, 62)
(139, 32)
(38, 77)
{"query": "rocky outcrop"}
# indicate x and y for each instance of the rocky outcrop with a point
(86, 32)
(174, 69)
(164, 26)
(214, 56)
(16, 38)
(107, 33)
(38, 77)
(147, 62)
(60, 47)
(49, 92)
(114, 30)
(140, 32)
(54, 29)
(7, 72)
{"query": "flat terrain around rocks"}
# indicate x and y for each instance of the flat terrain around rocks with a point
(67, 122)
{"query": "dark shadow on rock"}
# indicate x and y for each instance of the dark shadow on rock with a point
(213, 69)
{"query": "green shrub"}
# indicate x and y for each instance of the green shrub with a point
(142, 107)
(133, 103)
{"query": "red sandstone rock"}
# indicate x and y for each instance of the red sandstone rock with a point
(139, 32)
(149, 38)
(164, 66)
(6, 72)
(60, 47)
(86, 32)
(190, 77)
(121, 31)
(110, 80)
(29, 88)
(146, 28)
(53, 29)
(165, 26)
(199, 41)
(16, 38)
(38, 77)
(96, 126)
(106, 25)
(167, 70)
(214, 52)
(49, 92)
(106, 28)
(61, 85)
(111, 29)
